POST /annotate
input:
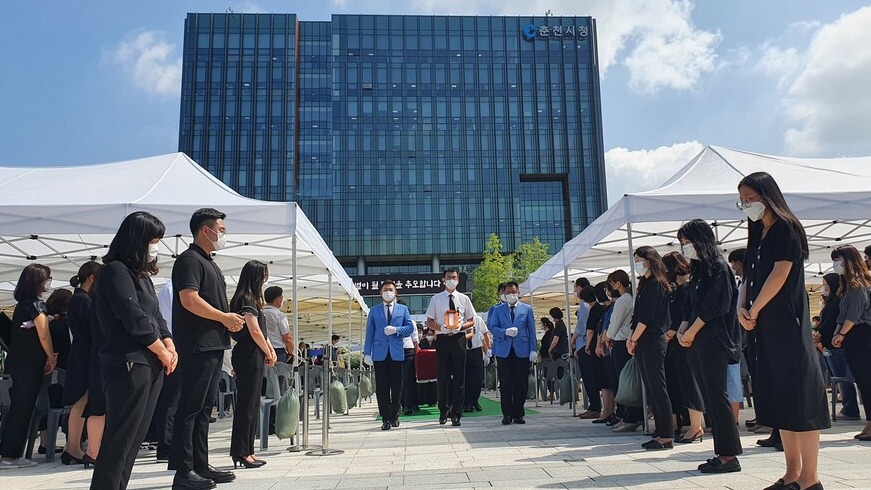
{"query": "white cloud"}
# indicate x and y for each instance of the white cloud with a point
(782, 63)
(641, 170)
(150, 62)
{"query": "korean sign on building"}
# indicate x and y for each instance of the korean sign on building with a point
(405, 283)
(532, 32)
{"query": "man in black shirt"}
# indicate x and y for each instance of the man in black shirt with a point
(201, 325)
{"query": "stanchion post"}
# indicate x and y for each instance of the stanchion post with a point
(328, 364)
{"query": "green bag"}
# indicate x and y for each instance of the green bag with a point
(565, 388)
(338, 398)
(530, 387)
(366, 388)
(490, 379)
(629, 391)
(353, 393)
(287, 415)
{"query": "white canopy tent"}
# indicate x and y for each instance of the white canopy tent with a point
(832, 198)
(64, 216)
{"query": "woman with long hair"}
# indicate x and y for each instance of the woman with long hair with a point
(251, 352)
(614, 339)
(854, 331)
(137, 347)
(837, 360)
(683, 389)
(648, 343)
(31, 358)
(713, 337)
(790, 394)
(76, 386)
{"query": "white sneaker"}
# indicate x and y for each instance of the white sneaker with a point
(17, 463)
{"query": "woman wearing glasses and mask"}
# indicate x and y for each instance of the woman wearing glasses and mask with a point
(790, 394)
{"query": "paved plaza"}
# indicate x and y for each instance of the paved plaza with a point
(553, 450)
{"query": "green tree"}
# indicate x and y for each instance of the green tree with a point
(528, 258)
(495, 268)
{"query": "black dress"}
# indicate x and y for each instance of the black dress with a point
(248, 363)
(790, 393)
(79, 322)
(683, 389)
(96, 406)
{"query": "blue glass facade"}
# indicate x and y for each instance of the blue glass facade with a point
(406, 139)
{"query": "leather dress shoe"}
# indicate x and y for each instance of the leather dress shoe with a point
(506, 420)
(519, 420)
(217, 475)
(478, 408)
(394, 423)
(768, 442)
(385, 425)
(407, 411)
(443, 418)
(718, 466)
(190, 480)
(455, 421)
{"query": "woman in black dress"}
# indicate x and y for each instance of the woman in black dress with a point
(251, 352)
(138, 347)
(31, 357)
(647, 341)
(76, 386)
(790, 394)
(713, 338)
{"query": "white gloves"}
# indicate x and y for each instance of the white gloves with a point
(511, 332)
(533, 356)
(389, 330)
(368, 360)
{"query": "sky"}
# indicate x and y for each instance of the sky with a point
(98, 81)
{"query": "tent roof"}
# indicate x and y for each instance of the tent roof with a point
(63, 216)
(831, 196)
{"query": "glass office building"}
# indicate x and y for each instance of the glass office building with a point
(407, 140)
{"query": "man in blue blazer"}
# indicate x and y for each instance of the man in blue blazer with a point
(387, 325)
(512, 325)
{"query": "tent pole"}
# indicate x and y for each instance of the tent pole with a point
(569, 329)
(634, 288)
(328, 367)
(348, 364)
(296, 379)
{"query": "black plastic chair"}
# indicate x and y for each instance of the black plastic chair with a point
(53, 415)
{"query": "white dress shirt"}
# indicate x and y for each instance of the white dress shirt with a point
(276, 326)
(164, 301)
(438, 305)
(408, 342)
(480, 330)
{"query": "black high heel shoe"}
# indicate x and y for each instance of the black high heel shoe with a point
(247, 464)
(88, 461)
(68, 459)
(687, 440)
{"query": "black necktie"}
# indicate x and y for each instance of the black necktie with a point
(451, 305)
(389, 316)
(512, 314)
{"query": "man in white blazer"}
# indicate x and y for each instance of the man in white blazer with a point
(386, 327)
(512, 325)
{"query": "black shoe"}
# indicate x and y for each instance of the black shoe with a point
(654, 445)
(455, 421)
(718, 466)
(778, 447)
(217, 475)
(478, 408)
(67, 459)
(769, 442)
(416, 409)
(212, 420)
(88, 461)
(699, 436)
(506, 420)
(385, 425)
(443, 418)
(750, 423)
(614, 420)
(519, 420)
(778, 485)
(394, 423)
(407, 411)
(190, 480)
(246, 464)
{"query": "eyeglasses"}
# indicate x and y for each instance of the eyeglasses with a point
(742, 205)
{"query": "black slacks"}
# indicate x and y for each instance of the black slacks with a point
(474, 375)
(857, 348)
(164, 413)
(281, 354)
(650, 355)
(590, 375)
(709, 362)
(513, 383)
(388, 385)
(131, 395)
(199, 374)
(451, 357)
(409, 381)
(26, 383)
(249, 365)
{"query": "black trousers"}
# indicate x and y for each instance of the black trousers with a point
(164, 413)
(513, 383)
(249, 365)
(590, 375)
(199, 374)
(388, 385)
(26, 383)
(857, 348)
(409, 381)
(650, 354)
(474, 375)
(281, 354)
(620, 356)
(709, 362)
(131, 395)
(451, 357)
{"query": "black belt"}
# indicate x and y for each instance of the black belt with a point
(409, 349)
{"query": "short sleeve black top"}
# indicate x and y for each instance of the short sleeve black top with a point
(195, 269)
(562, 347)
(129, 316)
(25, 351)
(781, 243)
(244, 341)
(546, 340)
(60, 340)
(651, 307)
(676, 299)
(712, 299)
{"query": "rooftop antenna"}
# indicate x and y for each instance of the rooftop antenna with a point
(230, 10)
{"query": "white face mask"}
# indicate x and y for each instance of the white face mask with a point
(824, 293)
(689, 251)
(388, 296)
(640, 270)
(838, 267)
(512, 298)
(754, 211)
(220, 242)
(502, 298)
(430, 337)
(153, 250)
(452, 283)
